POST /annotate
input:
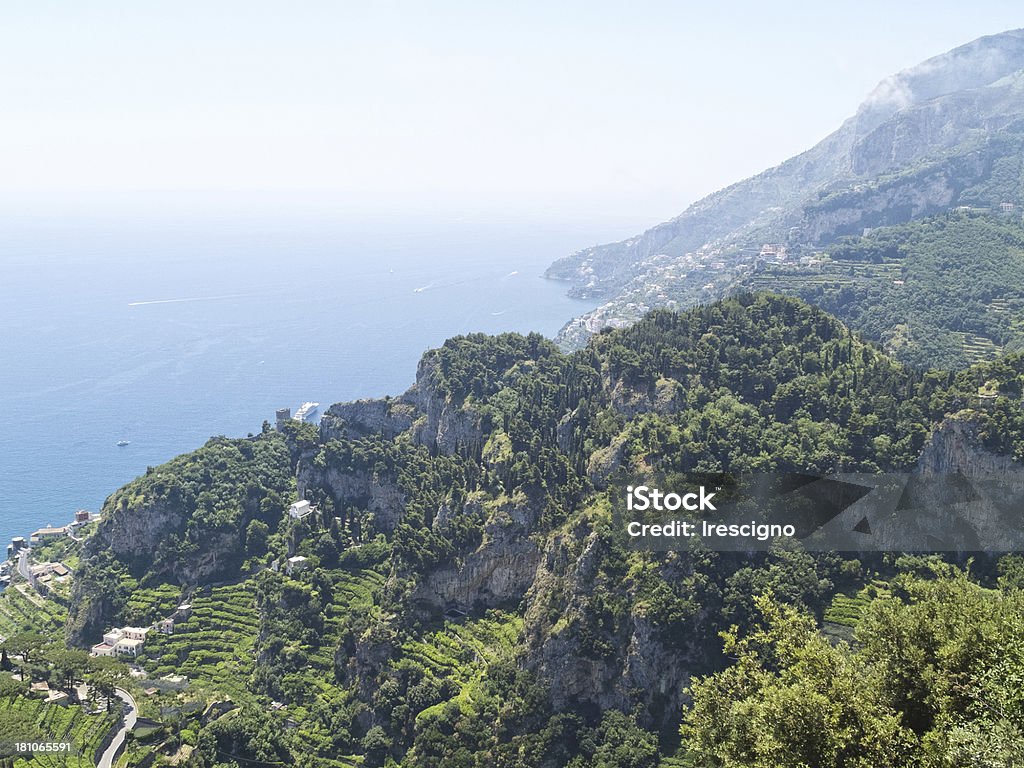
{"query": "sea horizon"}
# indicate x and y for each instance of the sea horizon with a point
(162, 335)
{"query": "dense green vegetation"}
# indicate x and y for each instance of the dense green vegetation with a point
(944, 291)
(465, 599)
(22, 610)
(24, 718)
(207, 500)
(932, 680)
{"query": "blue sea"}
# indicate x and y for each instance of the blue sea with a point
(164, 333)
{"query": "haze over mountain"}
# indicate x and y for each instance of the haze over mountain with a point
(943, 134)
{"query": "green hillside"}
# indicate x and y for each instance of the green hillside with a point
(945, 291)
(461, 596)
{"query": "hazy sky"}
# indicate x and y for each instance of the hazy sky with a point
(583, 109)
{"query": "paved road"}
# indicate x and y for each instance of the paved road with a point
(131, 715)
(23, 564)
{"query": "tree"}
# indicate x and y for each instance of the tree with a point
(24, 645)
(375, 745)
(103, 676)
(792, 700)
(256, 536)
(68, 667)
(621, 743)
(104, 686)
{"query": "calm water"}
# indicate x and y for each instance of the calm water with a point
(167, 334)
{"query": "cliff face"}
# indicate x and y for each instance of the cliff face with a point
(496, 574)
(965, 497)
(955, 446)
(183, 522)
(131, 534)
(378, 493)
(627, 663)
(911, 197)
(422, 416)
(387, 418)
(427, 415)
(447, 428)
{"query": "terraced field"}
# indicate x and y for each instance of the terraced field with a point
(978, 348)
(146, 606)
(353, 593)
(61, 724)
(20, 611)
(794, 282)
(342, 762)
(461, 651)
(215, 644)
(842, 615)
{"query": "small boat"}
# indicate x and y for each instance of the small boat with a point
(123, 443)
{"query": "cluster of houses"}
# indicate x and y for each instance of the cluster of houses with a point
(50, 533)
(773, 251)
(126, 641)
(43, 575)
(130, 641)
(1004, 207)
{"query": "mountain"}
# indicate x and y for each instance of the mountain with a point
(947, 133)
(465, 597)
(462, 592)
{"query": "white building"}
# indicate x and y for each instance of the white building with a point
(47, 534)
(126, 641)
(300, 509)
(128, 647)
(112, 637)
(296, 563)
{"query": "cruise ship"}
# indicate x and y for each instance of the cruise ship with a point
(305, 411)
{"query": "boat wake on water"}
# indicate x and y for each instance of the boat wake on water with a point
(188, 299)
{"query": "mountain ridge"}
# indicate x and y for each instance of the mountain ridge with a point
(948, 114)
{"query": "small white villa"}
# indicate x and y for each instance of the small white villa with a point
(126, 641)
(300, 509)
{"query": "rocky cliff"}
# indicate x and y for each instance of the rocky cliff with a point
(956, 446)
(964, 497)
(184, 522)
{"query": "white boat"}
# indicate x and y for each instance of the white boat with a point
(123, 443)
(305, 411)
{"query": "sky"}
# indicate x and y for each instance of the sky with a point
(582, 110)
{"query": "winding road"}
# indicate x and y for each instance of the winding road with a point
(131, 715)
